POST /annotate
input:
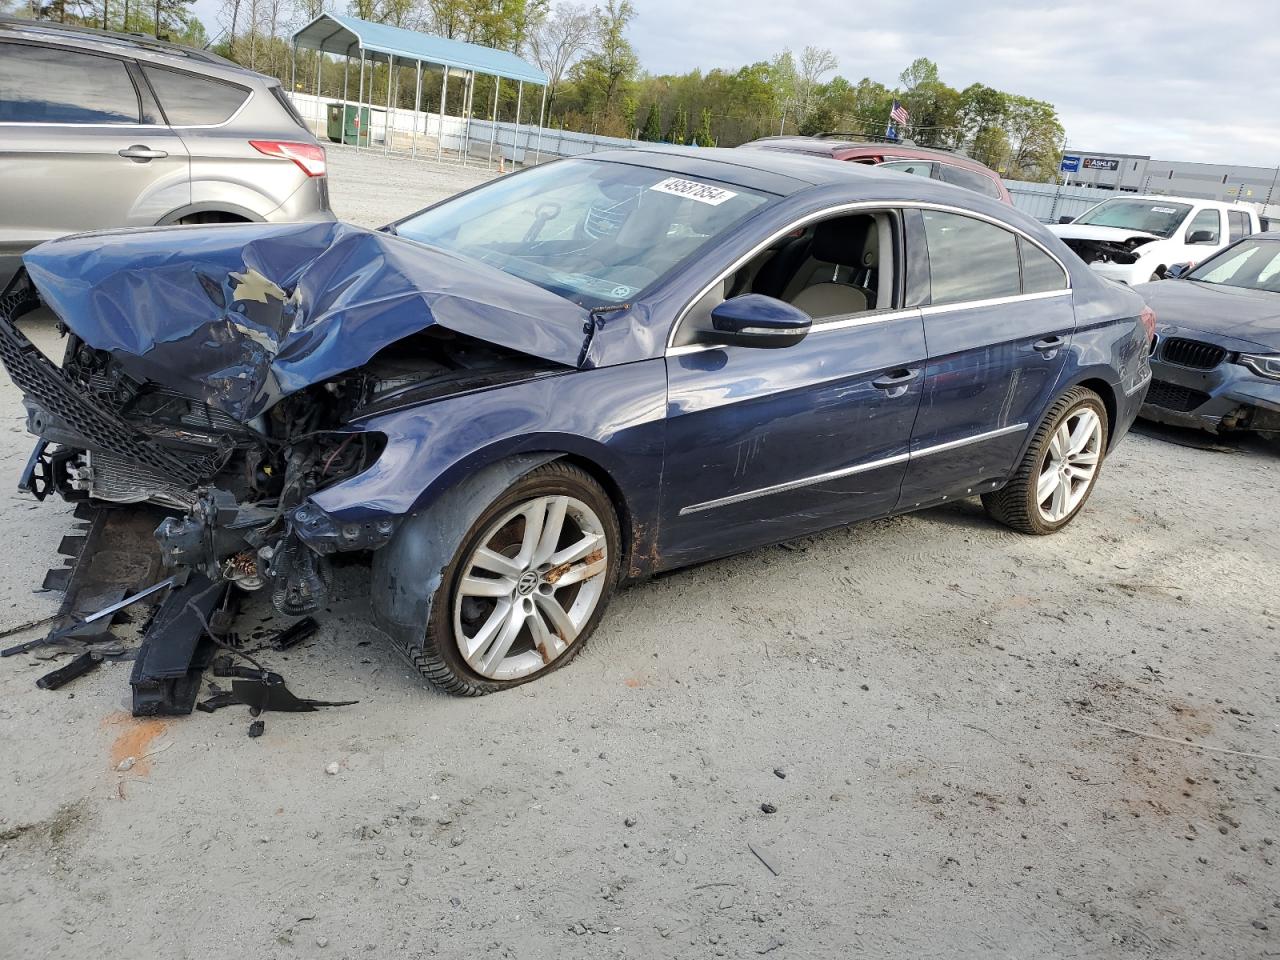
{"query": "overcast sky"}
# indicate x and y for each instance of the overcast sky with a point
(1174, 79)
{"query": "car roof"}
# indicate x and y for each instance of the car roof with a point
(832, 144)
(120, 43)
(785, 173)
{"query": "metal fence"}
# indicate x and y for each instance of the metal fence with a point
(1048, 202)
(474, 141)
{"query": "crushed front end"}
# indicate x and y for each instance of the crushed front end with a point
(236, 490)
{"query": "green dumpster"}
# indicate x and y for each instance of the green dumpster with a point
(348, 127)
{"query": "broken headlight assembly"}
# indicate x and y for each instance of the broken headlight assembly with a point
(1261, 364)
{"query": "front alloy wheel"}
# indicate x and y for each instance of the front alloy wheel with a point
(527, 585)
(530, 586)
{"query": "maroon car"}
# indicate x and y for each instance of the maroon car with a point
(920, 161)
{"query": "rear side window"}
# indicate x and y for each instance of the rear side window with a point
(192, 101)
(1040, 274)
(969, 180)
(1240, 226)
(1206, 220)
(49, 85)
(917, 168)
(970, 259)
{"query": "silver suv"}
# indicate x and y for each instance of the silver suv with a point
(109, 130)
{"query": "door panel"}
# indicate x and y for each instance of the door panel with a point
(59, 180)
(992, 371)
(998, 322)
(763, 445)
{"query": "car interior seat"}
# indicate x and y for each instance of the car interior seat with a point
(841, 272)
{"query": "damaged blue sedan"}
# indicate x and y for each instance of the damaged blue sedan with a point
(571, 378)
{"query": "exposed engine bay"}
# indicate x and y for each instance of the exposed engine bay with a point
(1108, 251)
(237, 490)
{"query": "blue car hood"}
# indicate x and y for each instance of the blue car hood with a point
(241, 316)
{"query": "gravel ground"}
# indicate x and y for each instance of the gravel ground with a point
(930, 703)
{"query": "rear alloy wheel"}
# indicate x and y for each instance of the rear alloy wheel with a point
(527, 586)
(1059, 469)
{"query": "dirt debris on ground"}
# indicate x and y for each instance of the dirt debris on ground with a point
(926, 684)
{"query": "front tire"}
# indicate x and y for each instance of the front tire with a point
(1060, 468)
(527, 585)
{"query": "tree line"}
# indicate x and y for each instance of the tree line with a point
(598, 85)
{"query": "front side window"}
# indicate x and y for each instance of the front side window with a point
(969, 179)
(50, 85)
(1208, 222)
(1148, 216)
(1253, 264)
(596, 233)
(970, 259)
(192, 101)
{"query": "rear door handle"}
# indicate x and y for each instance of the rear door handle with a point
(142, 153)
(1049, 345)
(895, 378)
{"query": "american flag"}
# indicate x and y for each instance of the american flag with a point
(899, 113)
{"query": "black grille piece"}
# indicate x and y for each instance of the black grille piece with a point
(1192, 353)
(1173, 397)
(52, 389)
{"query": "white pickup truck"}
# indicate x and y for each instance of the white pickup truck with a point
(1134, 239)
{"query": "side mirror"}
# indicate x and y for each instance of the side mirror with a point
(1178, 270)
(1203, 236)
(754, 320)
(1065, 219)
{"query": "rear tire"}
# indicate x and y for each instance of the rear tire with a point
(1060, 468)
(535, 571)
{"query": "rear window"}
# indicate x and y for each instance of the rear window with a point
(970, 180)
(49, 85)
(192, 101)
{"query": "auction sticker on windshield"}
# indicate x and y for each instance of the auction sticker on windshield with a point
(1163, 210)
(692, 190)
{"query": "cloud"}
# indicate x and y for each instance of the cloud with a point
(1175, 79)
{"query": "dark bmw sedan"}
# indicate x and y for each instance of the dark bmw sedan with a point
(514, 411)
(1217, 359)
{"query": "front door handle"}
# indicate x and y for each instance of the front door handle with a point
(1048, 346)
(140, 153)
(895, 378)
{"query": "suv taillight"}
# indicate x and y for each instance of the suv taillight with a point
(1149, 321)
(308, 156)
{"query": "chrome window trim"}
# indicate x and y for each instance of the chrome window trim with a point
(885, 205)
(992, 301)
(849, 471)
